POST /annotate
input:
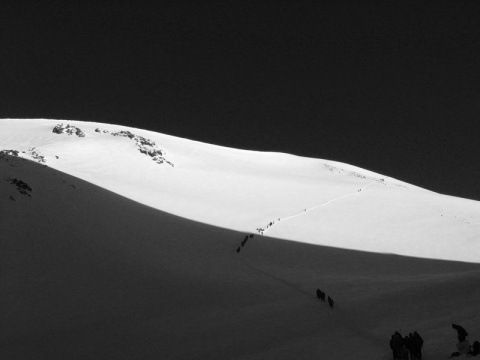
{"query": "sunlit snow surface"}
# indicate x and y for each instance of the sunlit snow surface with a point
(87, 273)
(247, 190)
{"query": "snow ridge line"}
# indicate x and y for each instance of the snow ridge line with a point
(261, 231)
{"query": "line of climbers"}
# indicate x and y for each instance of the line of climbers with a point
(244, 242)
(269, 225)
(321, 296)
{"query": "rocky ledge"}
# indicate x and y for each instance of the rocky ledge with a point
(68, 129)
(22, 187)
(145, 146)
(35, 154)
(4, 153)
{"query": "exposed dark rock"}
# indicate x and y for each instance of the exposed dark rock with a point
(58, 129)
(68, 129)
(146, 146)
(22, 187)
(353, 173)
(98, 130)
(36, 155)
(3, 153)
(124, 134)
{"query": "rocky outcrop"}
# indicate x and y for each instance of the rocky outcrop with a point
(124, 134)
(32, 152)
(22, 187)
(4, 153)
(353, 173)
(145, 146)
(68, 129)
(35, 154)
(100, 131)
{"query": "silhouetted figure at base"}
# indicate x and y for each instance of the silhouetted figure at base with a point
(408, 345)
(238, 249)
(461, 332)
(463, 345)
(463, 348)
(330, 302)
(417, 346)
(396, 344)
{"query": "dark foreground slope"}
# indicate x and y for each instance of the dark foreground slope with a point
(86, 273)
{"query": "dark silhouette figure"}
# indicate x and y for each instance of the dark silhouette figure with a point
(251, 236)
(321, 295)
(463, 345)
(330, 302)
(417, 346)
(396, 344)
(408, 341)
(461, 332)
(238, 249)
(244, 241)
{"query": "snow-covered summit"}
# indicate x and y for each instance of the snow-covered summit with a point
(280, 195)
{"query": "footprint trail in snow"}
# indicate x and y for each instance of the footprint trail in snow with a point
(261, 231)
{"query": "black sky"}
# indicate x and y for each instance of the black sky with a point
(390, 86)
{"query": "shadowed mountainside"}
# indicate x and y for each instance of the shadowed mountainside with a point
(86, 273)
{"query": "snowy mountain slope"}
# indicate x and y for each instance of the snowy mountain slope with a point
(247, 190)
(87, 273)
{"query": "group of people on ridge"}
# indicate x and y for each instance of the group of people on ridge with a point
(408, 347)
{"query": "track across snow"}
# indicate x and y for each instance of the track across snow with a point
(273, 222)
(237, 189)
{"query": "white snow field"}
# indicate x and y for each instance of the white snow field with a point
(111, 253)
